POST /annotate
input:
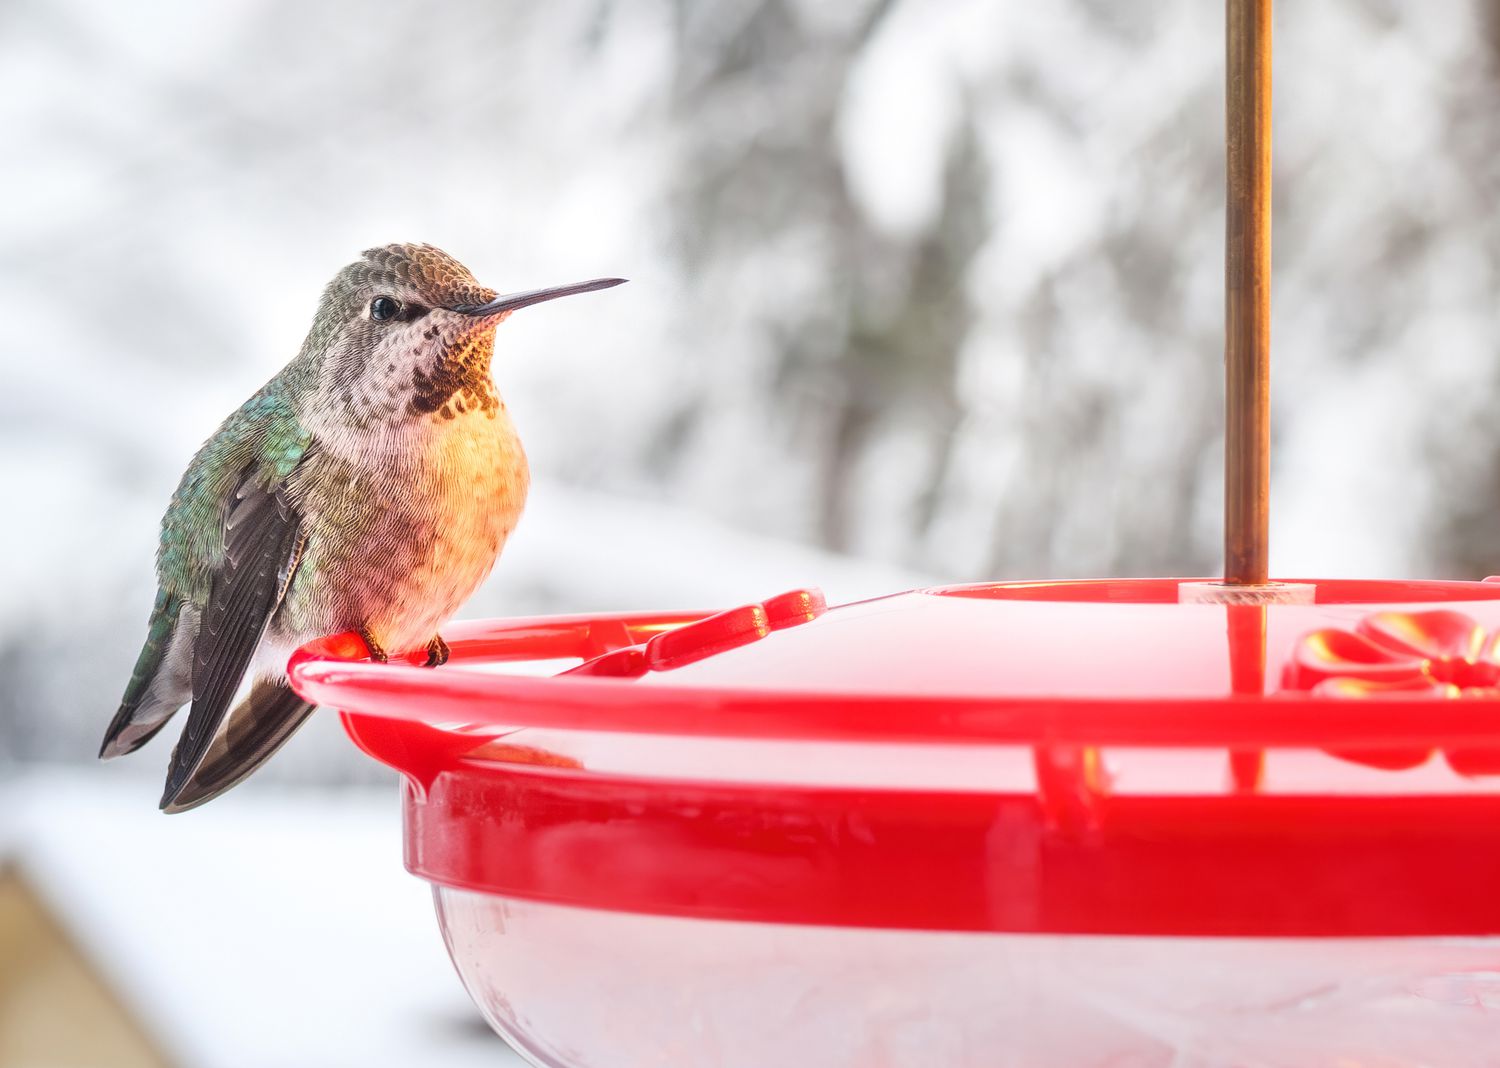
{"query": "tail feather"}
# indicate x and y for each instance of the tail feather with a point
(252, 733)
(162, 680)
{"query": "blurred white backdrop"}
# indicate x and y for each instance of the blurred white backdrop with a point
(919, 289)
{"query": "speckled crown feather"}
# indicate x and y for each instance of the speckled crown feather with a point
(438, 276)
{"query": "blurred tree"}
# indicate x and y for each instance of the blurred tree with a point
(1460, 531)
(868, 333)
(863, 348)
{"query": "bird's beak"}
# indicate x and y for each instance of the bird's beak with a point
(511, 301)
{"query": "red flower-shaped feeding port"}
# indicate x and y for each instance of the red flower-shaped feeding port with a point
(1440, 654)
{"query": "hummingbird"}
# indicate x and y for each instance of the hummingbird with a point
(369, 486)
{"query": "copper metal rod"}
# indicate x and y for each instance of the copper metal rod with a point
(1247, 288)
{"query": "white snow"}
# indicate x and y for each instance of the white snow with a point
(597, 552)
(178, 185)
(278, 931)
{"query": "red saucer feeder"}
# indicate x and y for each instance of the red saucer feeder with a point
(1138, 822)
(1023, 823)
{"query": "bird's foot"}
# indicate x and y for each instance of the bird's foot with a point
(377, 654)
(437, 651)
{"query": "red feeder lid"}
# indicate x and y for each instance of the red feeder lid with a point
(1059, 757)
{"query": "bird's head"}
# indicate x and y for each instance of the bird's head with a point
(406, 333)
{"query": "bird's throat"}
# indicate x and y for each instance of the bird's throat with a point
(460, 382)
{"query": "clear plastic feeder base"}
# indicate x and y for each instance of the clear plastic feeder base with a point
(584, 988)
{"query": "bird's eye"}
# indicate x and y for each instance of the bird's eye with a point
(383, 308)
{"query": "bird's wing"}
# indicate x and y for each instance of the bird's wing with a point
(262, 545)
(257, 727)
(160, 683)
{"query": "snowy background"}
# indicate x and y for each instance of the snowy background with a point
(918, 289)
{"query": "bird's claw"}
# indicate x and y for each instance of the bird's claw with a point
(437, 651)
(377, 654)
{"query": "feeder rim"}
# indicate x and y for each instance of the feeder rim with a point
(472, 704)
